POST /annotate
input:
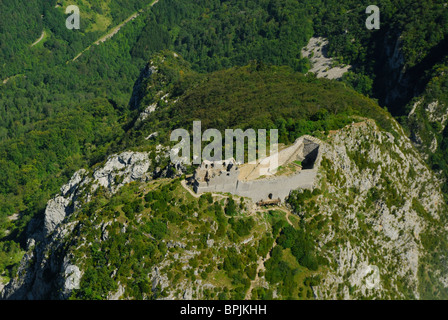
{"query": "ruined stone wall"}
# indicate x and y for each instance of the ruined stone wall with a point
(306, 147)
(268, 166)
(278, 187)
(221, 183)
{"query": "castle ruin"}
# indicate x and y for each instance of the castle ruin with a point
(261, 181)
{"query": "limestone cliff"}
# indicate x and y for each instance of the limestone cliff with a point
(45, 271)
(383, 200)
(372, 225)
(377, 204)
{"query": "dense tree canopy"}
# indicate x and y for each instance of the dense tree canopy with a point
(57, 115)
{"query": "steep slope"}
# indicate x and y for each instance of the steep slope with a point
(372, 227)
(427, 121)
(383, 206)
(369, 211)
(40, 90)
(403, 64)
(169, 95)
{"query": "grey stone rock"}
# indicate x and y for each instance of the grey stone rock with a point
(72, 278)
(121, 169)
(55, 212)
(47, 256)
(117, 295)
(73, 183)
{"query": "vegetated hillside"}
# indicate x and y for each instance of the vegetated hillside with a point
(215, 34)
(41, 93)
(426, 120)
(127, 228)
(391, 207)
(40, 90)
(403, 64)
(22, 24)
(253, 96)
(391, 64)
(56, 117)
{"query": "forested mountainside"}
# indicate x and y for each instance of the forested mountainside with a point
(68, 103)
(129, 228)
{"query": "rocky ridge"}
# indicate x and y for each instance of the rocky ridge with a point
(371, 237)
(45, 271)
(387, 247)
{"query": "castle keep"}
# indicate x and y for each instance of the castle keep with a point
(296, 167)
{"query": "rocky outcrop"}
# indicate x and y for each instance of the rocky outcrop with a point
(120, 170)
(64, 203)
(428, 120)
(322, 66)
(72, 276)
(45, 271)
(374, 183)
(389, 249)
(55, 212)
(149, 92)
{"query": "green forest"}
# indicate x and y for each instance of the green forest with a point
(58, 115)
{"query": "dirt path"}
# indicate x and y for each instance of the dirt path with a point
(197, 196)
(114, 31)
(260, 267)
(261, 261)
(285, 210)
(184, 184)
(40, 39)
(288, 214)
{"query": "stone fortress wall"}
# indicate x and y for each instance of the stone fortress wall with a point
(256, 181)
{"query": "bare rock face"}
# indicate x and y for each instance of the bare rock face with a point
(74, 182)
(55, 212)
(146, 113)
(118, 294)
(45, 271)
(62, 205)
(390, 248)
(322, 65)
(120, 170)
(72, 276)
